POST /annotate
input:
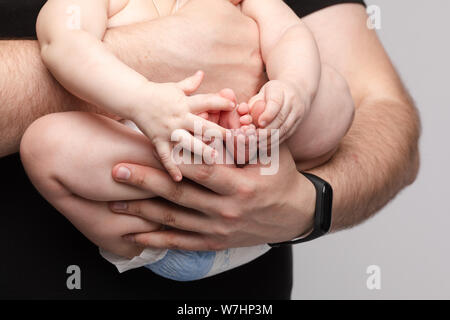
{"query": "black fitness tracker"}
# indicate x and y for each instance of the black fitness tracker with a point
(322, 215)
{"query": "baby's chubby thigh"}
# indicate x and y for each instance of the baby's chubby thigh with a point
(76, 151)
(317, 138)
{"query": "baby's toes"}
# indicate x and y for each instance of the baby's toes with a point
(250, 130)
(243, 108)
(230, 120)
(246, 120)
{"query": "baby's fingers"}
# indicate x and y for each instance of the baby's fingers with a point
(195, 145)
(164, 151)
(209, 102)
(192, 83)
(202, 127)
(274, 97)
(270, 113)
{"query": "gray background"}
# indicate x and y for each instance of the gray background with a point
(409, 239)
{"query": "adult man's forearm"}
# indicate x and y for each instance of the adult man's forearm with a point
(377, 158)
(27, 91)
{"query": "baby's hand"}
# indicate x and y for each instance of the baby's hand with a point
(167, 107)
(279, 105)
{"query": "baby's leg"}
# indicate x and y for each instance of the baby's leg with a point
(69, 157)
(331, 116)
(318, 136)
(78, 150)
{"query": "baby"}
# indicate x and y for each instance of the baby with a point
(294, 100)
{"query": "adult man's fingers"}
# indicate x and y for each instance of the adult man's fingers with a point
(165, 213)
(158, 182)
(175, 240)
(221, 179)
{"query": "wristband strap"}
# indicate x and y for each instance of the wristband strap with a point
(322, 213)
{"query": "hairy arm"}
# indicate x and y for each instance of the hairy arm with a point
(379, 156)
(27, 92)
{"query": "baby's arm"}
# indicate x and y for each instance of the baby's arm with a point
(292, 59)
(310, 101)
(70, 33)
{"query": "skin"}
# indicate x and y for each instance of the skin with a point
(59, 168)
(380, 152)
(287, 102)
(386, 122)
(29, 91)
(71, 53)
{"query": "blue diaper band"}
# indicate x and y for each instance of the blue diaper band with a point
(183, 265)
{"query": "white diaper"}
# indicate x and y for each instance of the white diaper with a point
(183, 265)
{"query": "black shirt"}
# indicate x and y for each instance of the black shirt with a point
(37, 244)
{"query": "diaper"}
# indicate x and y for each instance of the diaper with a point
(181, 265)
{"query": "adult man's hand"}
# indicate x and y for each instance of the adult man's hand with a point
(227, 207)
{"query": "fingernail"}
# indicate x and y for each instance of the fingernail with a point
(123, 173)
(262, 123)
(119, 206)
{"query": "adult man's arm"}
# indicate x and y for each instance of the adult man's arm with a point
(379, 156)
(27, 91)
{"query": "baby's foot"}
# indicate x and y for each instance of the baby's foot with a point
(243, 133)
(236, 118)
(216, 116)
(248, 143)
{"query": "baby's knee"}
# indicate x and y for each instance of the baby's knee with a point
(44, 149)
(42, 152)
(50, 139)
(41, 140)
(342, 98)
